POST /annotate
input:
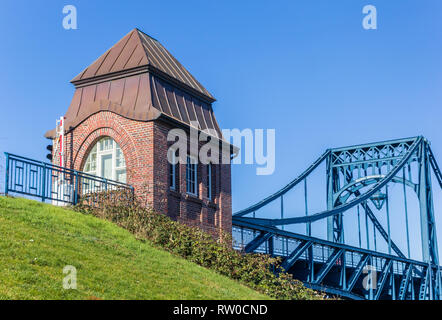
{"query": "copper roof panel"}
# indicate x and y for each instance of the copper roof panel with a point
(116, 91)
(143, 101)
(160, 94)
(137, 58)
(112, 57)
(190, 108)
(206, 116)
(92, 69)
(172, 103)
(125, 54)
(183, 111)
(199, 113)
(75, 104)
(103, 90)
(217, 128)
(88, 95)
(130, 93)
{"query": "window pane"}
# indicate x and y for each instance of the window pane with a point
(106, 166)
(172, 176)
(106, 144)
(93, 161)
(120, 162)
(191, 176)
(121, 176)
(100, 160)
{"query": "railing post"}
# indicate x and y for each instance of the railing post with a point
(370, 289)
(106, 196)
(430, 277)
(392, 283)
(76, 188)
(271, 246)
(387, 207)
(439, 283)
(43, 187)
(7, 174)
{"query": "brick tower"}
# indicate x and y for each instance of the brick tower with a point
(116, 126)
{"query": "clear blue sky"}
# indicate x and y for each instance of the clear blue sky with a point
(306, 68)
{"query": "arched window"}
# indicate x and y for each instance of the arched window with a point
(106, 160)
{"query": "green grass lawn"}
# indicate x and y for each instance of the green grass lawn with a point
(38, 240)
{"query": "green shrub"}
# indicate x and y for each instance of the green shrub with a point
(191, 243)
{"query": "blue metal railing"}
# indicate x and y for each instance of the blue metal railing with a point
(283, 243)
(58, 184)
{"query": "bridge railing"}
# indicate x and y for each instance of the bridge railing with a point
(60, 185)
(321, 259)
(283, 245)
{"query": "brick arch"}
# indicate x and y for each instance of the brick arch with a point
(104, 126)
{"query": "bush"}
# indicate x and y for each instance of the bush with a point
(191, 243)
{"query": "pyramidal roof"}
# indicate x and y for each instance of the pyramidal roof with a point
(136, 51)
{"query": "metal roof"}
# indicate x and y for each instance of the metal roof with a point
(137, 50)
(119, 82)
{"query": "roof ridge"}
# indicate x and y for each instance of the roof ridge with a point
(141, 31)
(149, 62)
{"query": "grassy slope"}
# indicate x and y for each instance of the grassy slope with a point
(38, 240)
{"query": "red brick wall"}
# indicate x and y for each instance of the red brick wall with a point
(144, 145)
(210, 215)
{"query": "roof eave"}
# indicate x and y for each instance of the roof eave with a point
(109, 76)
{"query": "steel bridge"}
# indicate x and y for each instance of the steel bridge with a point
(357, 253)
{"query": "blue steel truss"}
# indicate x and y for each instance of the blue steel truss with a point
(357, 177)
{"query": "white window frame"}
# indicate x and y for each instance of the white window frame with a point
(111, 151)
(192, 162)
